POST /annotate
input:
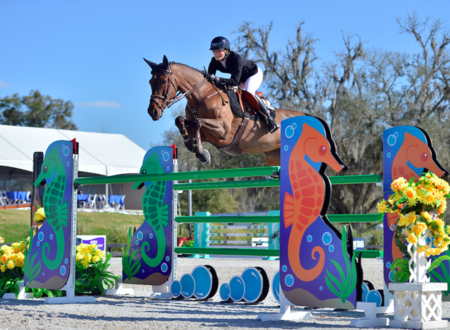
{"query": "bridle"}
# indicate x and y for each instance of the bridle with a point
(178, 97)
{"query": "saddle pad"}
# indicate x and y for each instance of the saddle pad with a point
(237, 109)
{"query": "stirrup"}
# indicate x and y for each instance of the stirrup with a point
(272, 128)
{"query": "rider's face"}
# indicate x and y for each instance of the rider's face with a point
(219, 54)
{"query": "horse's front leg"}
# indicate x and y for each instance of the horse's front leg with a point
(202, 154)
(180, 122)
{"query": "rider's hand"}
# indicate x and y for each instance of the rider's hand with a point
(211, 77)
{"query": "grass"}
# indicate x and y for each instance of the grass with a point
(15, 225)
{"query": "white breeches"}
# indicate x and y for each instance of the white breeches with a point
(252, 84)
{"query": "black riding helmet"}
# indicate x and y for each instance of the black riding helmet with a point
(220, 43)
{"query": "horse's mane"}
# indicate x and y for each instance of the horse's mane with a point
(187, 66)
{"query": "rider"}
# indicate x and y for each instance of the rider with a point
(244, 73)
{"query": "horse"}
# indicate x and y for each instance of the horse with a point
(208, 116)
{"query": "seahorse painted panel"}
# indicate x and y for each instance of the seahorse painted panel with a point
(407, 152)
(148, 258)
(312, 254)
(47, 262)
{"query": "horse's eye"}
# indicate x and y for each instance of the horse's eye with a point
(163, 82)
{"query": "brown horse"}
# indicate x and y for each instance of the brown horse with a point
(208, 115)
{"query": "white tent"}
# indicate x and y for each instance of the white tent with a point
(100, 153)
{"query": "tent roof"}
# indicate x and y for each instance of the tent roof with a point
(100, 153)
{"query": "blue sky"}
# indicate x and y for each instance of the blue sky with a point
(90, 52)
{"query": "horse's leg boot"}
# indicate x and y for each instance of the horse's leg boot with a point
(202, 154)
(198, 148)
(180, 123)
(204, 157)
(271, 123)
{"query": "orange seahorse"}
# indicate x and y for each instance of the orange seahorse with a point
(417, 153)
(308, 188)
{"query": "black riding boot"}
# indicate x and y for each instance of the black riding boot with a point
(271, 123)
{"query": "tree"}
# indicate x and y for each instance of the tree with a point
(360, 93)
(40, 111)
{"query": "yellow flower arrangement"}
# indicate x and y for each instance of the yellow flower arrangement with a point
(412, 238)
(88, 254)
(13, 256)
(39, 216)
(421, 206)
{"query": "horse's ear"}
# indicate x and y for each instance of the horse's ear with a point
(153, 65)
(165, 63)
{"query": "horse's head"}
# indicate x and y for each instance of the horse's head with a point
(160, 83)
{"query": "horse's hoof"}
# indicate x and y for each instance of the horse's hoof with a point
(204, 157)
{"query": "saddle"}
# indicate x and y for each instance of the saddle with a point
(246, 106)
(242, 103)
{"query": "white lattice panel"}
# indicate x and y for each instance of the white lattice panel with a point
(418, 264)
(416, 304)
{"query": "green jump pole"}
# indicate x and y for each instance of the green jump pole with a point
(195, 175)
(339, 218)
(353, 218)
(369, 254)
(258, 252)
(353, 179)
(348, 179)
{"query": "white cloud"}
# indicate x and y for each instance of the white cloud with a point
(4, 84)
(100, 104)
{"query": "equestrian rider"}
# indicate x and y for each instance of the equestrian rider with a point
(244, 73)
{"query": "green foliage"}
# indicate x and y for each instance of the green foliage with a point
(40, 111)
(31, 270)
(400, 268)
(39, 293)
(375, 238)
(129, 267)
(9, 281)
(437, 262)
(344, 286)
(95, 276)
(435, 276)
(188, 243)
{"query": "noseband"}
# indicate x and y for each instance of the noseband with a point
(168, 103)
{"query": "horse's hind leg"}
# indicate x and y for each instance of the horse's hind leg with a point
(202, 154)
(188, 143)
